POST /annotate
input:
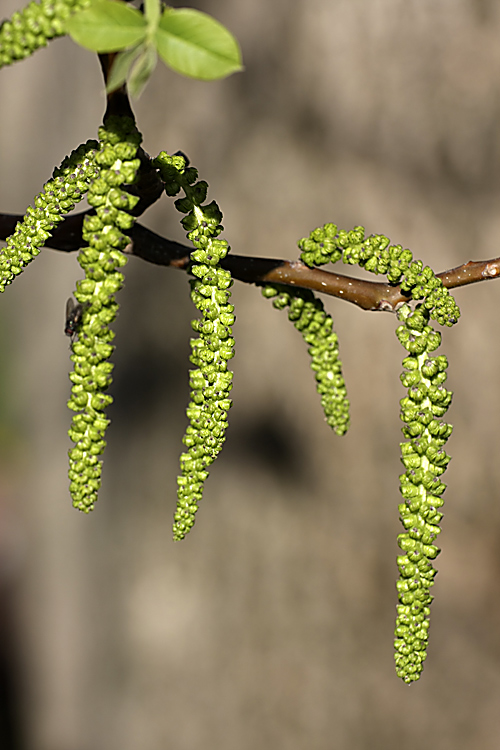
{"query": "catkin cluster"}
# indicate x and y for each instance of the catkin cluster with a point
(211, 381)
(423, 455)
(425, 460)
(60, 195)
(309, 317)
(117, 164)
(32, 27)
(327, 244)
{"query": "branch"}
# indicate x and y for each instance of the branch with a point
(145, 244)
(368, 295)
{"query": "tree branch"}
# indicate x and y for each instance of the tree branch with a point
(151, 247)
(368, 295)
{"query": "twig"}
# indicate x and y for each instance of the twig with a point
(368, 295)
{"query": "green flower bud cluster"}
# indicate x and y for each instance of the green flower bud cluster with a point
(31, 28)
(309, 317)
(118, 165)
(211, 381)
(327, 244)
(60, 195)
(427, 401)
(425, 460)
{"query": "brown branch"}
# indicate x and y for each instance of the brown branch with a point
(369, 295)
(151, 247)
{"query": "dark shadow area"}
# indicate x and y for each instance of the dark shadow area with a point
(10, 670)
(269, 442)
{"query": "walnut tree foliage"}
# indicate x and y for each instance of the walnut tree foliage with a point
(120, 181)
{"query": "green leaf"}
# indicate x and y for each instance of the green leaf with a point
(134, 66)
(142, 70)
(121, 67)
(196, 45)
(107, 26)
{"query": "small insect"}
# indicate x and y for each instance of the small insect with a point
(74, 312)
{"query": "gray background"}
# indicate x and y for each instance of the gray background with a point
(271, 625)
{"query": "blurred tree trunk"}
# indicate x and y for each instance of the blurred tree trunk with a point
(271, 625)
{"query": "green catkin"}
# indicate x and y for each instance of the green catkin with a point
(308, 315)
(104, 232)
(33, 26)
(427, 401)
(327, 244)
(211, 381)
(425, 460)
(60, 195)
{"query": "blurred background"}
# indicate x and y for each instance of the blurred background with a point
(271, 625)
